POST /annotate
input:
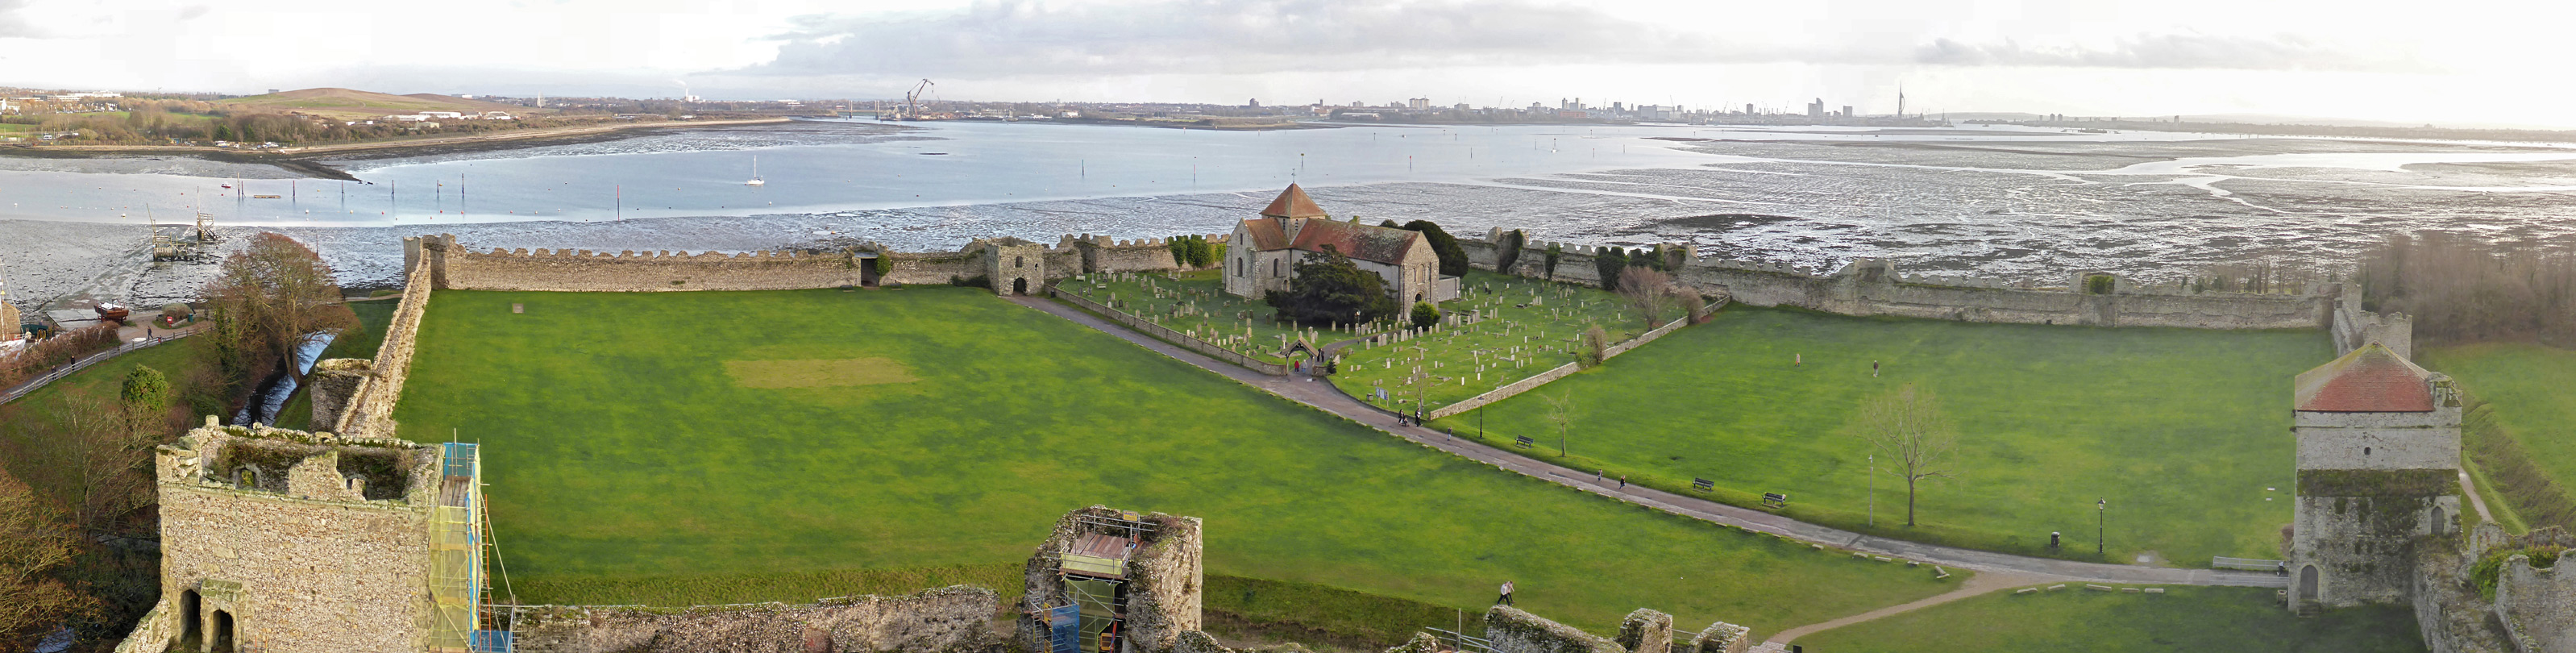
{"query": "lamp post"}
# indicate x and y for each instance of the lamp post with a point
(1873, 489)
(2102, 518)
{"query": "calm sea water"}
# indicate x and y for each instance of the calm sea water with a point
(953, 164)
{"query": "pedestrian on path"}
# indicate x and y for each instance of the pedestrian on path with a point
(1596, 475)
(1623, 481)
(1507, 594)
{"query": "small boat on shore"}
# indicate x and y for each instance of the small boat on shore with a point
(755, 173)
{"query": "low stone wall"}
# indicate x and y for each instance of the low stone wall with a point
(950, 619)
(1559, 372)
(2538, 606)
(1174, 337)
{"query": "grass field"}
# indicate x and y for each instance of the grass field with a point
(620, 450)
(2525, 388)
(2184, 620)
(2181, 430)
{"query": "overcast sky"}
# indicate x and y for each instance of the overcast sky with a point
(2458, 62)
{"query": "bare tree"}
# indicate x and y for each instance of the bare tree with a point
(98, 459)
(268, 300)
(1648, 290)
(1596, 347)
(33, 542)
(1907, 427)
(1560, 411)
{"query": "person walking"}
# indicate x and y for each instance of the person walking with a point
(1507, 594)
(1597, 474)
(1623, 481)
(1873, 369)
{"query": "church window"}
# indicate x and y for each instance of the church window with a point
(2365, 451)
(1019, 261)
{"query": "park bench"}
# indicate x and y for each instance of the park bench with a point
(1775, 500)
(1703, 484)
(1523, 441)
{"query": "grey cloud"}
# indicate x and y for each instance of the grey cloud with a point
(1008, 38)
(1226, 36)
(14, 26)
(2196, 51)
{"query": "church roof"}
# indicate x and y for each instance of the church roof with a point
(1266, 235)
(2371, 379)
(1293, 203)
(1360, 242)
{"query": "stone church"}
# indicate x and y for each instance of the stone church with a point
(1263, 252)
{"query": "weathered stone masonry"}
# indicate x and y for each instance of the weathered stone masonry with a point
(293, 541)
(944, 620)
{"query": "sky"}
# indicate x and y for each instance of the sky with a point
(2463, 62)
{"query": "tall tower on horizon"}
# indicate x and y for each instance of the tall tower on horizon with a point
(1900, 100)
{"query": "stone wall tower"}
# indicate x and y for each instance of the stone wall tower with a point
(1017, 267)
(2379, 466)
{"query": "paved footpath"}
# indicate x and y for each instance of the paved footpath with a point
(2028, 570)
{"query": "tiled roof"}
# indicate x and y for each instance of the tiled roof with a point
(1293, 203)
(1266, 235)
(1360, 242)
(2371, 379)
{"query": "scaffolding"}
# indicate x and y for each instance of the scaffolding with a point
(457, 538)
(1090, 611)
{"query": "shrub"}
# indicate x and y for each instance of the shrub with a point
(1596, 346)
(2099, 284)
(2490, 569)
(1453, 259)
(1425, 315)
(977, 281)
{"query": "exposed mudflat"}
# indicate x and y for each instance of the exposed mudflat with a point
(1943, 202)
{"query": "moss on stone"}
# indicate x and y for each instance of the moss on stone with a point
(2377, 482)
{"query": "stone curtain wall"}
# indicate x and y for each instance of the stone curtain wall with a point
(2354, 327)
(1873, 287)
(156, 632)
(1559, 372)
(296, 574)
(369, 407)
(1175, 337)
(952, 619)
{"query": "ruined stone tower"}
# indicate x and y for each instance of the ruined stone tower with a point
(1113, 580)
(2378, 465)
(281, 541)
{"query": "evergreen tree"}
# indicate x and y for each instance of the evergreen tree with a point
(1453, 259)
(1329, 289)
(1609, 263)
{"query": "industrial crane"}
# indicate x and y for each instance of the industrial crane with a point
(912, 100)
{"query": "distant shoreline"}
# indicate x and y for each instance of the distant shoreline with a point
(310, 160)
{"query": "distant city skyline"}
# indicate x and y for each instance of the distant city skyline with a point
(2474, 63)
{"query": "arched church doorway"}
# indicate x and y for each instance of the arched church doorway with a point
(222, 638)
(2308, 583)
(1020, 286)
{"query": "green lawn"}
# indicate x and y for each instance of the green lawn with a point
(2181, 430)
(1533, 326)
(2525, 387)
(619, 447)
(33, 416)
(2184, 620)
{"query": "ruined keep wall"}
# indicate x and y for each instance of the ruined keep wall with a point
(944, 620)
(296, 574)
(1515, 631)
(1166, 581)
(2363, 547)
(2354, 327)
(2537, 606)
(1165, 575)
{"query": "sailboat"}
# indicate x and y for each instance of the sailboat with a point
(755, 173)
